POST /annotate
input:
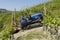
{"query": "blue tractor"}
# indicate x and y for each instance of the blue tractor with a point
(31, 21)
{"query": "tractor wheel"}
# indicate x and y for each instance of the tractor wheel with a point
(41, 24)
(25, 28)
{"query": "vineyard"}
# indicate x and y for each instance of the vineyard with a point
(51, 19)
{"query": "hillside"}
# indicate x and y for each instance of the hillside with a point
(52, 18)
(52, 13)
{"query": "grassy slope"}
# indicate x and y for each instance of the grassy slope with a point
(53, 9)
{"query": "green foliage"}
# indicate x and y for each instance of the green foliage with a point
(5, 25)
(6, 33)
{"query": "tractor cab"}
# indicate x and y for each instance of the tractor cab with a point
(36, 16)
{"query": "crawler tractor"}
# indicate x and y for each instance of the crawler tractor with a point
(32, 21)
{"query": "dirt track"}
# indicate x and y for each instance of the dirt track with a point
(26, 32)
